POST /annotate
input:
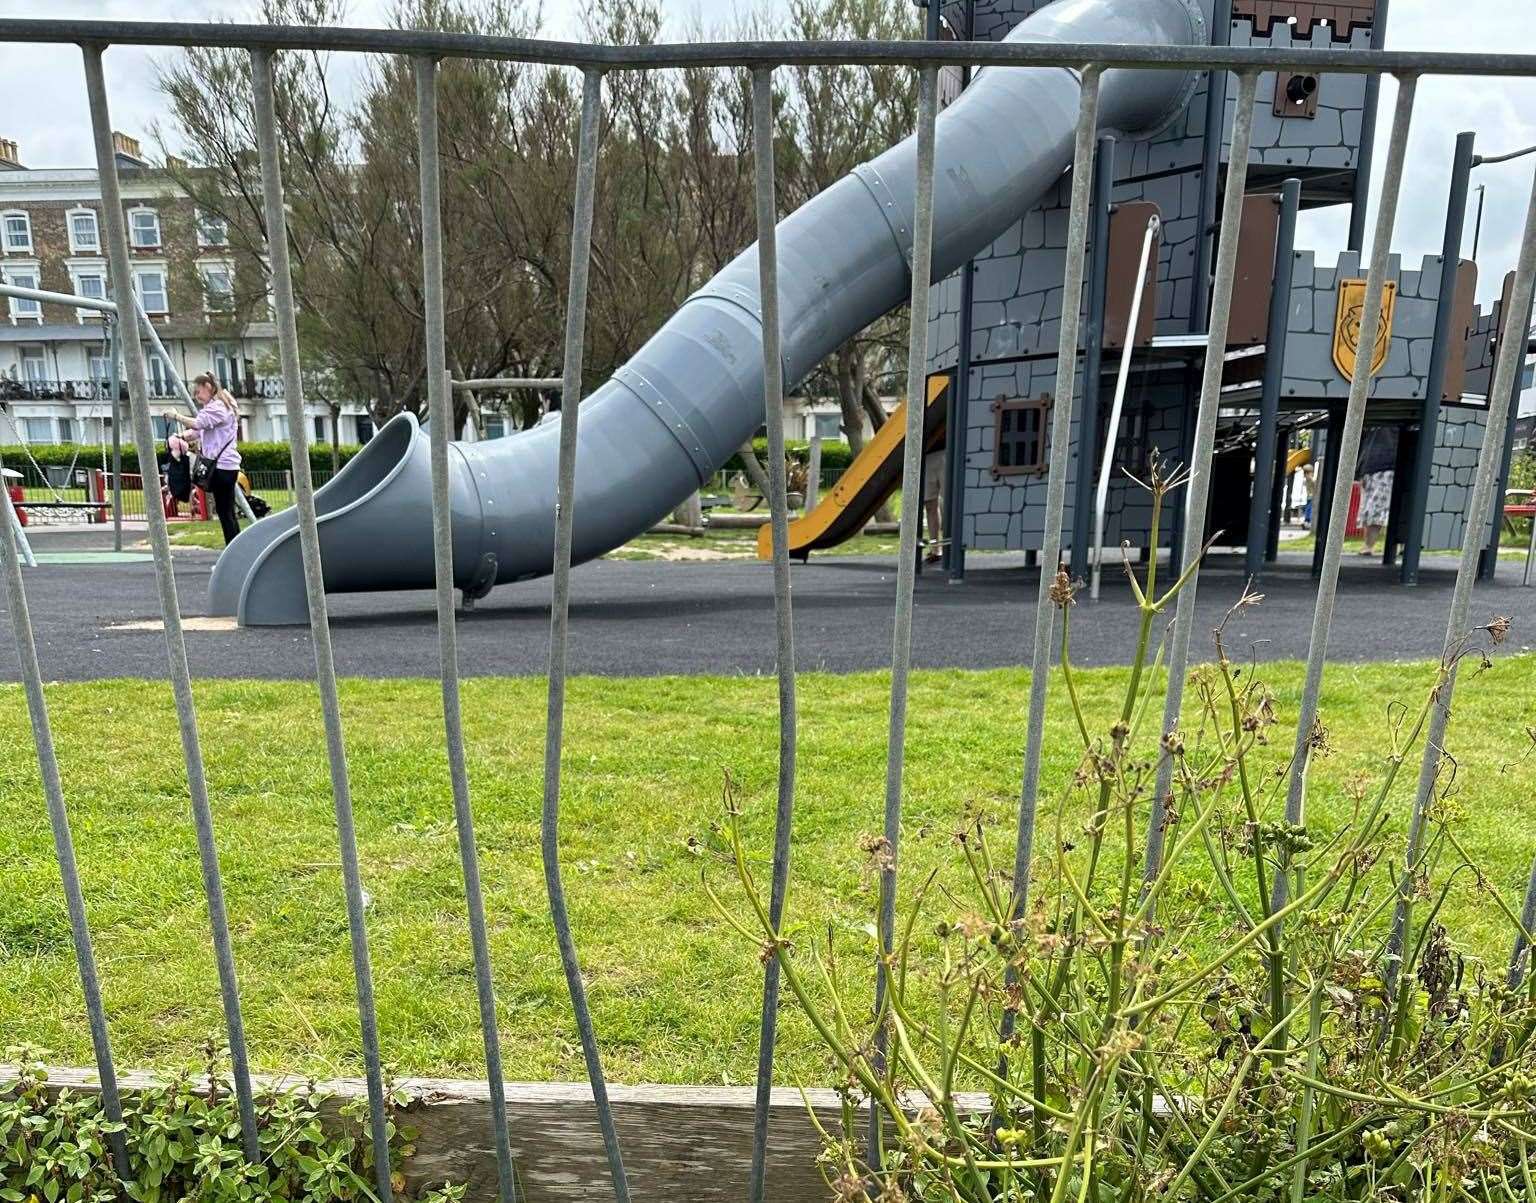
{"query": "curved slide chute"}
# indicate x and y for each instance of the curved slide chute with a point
(867, 484)
(660, 428)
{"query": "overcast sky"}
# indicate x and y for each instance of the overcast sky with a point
(42, 104)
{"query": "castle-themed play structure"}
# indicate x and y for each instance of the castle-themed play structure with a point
(665, 423)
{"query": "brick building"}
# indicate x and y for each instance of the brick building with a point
(208, 303)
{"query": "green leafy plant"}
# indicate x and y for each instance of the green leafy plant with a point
(1190, 1032)
(183, 1142)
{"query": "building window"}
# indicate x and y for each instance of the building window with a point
(828, 426)
(364, 428)
(143, 228)
(159, 376)
(90, 280)
(34, 367)
(212, 230)
(66, 430)
(37, 430)
(84, 234)
(149, 283)
(226, 365)
(1019, 447)
(320, 427)
(23, 309)
(279, 428)
(17, 228)
(218, 287)
(101, 372)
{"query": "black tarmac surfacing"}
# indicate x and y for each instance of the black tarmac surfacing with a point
(636, 618)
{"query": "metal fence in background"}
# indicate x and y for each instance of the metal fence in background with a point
(424, 49)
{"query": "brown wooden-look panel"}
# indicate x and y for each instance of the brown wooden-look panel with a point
(1257, 232)
(1463, 316)
(1343, 16)
(1127, 229)
(680, 1142)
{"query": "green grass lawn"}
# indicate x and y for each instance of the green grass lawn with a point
(714, 545)
(1513, 547)
(675, 997)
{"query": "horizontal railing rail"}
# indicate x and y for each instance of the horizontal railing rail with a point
(759, 53)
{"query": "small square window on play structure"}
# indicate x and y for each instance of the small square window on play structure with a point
(1020, 445)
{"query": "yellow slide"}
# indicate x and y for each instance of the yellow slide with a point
(869, 481)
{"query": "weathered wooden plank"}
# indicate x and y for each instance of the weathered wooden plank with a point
(680, 1142)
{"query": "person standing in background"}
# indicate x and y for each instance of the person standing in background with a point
(218, 428)
(1378, 460)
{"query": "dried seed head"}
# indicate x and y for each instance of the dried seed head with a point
(1498, 629)
(1062, 590)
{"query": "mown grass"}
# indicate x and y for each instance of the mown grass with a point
(674, 996)
(713, 545)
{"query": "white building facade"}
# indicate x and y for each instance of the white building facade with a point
(54, 359)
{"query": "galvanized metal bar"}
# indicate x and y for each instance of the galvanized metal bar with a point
(1501, 414)
(1344, 455)
(117, 438)
(1365, 156)
(440, 405)
(759, 53)
(1517, 956)
(1088, 425)
(319, 619)
(1210, 168)
(906, 557)
(63, 841)
(1262, 520)
(510, 383)
(1322, 501)
(170, 608)
(1488, 561)
(1197, 491)
(960, 400)
(560, 610)
(778, 506)
(1441, 349)
(1056, 481)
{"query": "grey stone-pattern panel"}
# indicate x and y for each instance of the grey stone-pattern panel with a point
(1008, 512)
(1331, 138)
(1310, 372)
(1458, 448)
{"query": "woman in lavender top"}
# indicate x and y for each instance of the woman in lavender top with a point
(217, 426)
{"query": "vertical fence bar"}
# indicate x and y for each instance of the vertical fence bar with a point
(1527, 923)
(319, 619)
(1262, 525)
(1344, 455)
(906, 558)
(58, 820)
(1093, 350)
(160, 545)
(117, 436)
(560, 610)
(440, 405)
(1501, 412)
(1197, 490)
(1056, 482)
(778, 504)
(1443, 347)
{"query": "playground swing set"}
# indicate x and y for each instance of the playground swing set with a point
(104, 485)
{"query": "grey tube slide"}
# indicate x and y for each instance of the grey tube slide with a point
(667, 420)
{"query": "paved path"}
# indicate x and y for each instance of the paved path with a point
(645, 617)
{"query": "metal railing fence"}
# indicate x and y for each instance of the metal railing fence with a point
(425, 48)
